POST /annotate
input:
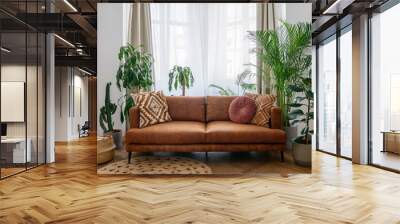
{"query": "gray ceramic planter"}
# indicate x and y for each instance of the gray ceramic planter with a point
(291, 132)
(302, 154)
(117, 137)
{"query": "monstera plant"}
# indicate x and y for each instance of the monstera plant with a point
(134, 75)
(180, 77)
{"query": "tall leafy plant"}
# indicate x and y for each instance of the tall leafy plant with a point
(180, 77)
(302, 108)
(107, 111)
(134, 74)
(284, 50)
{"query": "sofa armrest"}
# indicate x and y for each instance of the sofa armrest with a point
(276, 118)
(134, 116)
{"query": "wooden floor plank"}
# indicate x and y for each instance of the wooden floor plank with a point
(69, 191)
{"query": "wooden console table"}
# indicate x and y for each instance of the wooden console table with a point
(391, 141)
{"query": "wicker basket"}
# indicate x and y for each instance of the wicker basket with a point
(105, 149)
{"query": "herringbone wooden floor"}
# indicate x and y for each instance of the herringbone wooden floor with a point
(71, 192)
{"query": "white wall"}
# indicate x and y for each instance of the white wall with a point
(67, 115)
(61, 104)
(112, 33)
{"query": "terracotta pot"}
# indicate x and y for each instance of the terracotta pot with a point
(302, 154)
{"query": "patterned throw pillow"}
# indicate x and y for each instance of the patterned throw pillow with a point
(264, 104)
(153, 108)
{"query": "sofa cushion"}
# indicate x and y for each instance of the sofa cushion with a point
(227, 132)
(218, 107)
(242, 110)
(173, 132)
(187, 108)
(264, 105)
(153, 108)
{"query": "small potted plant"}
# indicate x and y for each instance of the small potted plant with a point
(106, 121)
(302, 114)
(180, 77)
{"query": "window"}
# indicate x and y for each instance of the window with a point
(22, 65)
(385, 88)
(327, 96)
(335, 108)
(346, 93)
(209, 38)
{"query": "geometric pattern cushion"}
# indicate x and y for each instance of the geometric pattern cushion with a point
(153, 108)
(264, 105)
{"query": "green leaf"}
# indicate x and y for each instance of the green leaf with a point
(295, 88)
(121, 116)
(300, 98)
(296, 112)
(298, 121)
(305, 130)
(296, 104)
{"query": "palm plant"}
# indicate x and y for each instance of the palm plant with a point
(241, 82)
(284, 51)
(134, 74)
(222, 91)
(180, 77)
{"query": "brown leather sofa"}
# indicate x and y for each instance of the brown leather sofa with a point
(201, 124)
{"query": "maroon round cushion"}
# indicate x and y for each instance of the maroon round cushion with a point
(242, 110)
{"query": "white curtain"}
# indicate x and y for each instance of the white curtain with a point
(212, 39)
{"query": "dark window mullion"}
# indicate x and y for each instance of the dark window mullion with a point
(338, 94)
(26, 86)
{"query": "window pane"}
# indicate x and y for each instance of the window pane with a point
(13, 83)
(211, 39)
(327, 96)
(385, 88)
(346, 94)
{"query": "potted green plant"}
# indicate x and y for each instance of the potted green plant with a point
(180, 77)
(284, 51)
(106, 120)
(134, 75)
(302, 114)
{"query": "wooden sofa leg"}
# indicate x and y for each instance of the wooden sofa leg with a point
(129, 157)
(206, 156)
(282, 157)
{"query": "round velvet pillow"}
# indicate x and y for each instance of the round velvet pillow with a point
(242, 110)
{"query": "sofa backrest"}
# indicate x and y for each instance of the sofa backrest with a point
(218, 107)
(187, 108)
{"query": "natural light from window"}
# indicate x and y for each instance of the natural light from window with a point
(212, 39)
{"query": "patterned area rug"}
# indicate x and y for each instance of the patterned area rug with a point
(156, 165)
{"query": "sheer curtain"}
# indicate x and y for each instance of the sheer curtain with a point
(209, 38)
